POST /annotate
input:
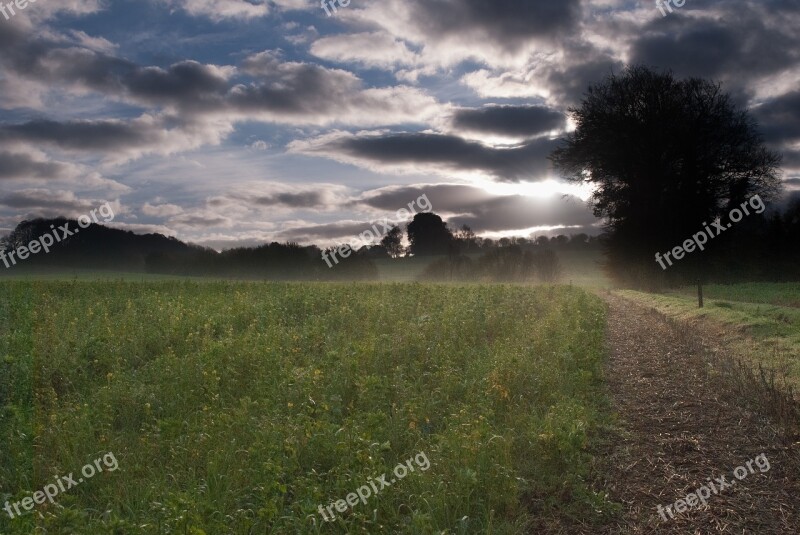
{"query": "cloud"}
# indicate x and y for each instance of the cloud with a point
(53, 203)
(437, 153)
(161, 210)
(284, 197)
(487, 211)
(451, 31)
(509, 23)
(21, 165)
(560, 78)
(449, 89)
(200, 219)
(370, 49)
(304, 93)
(461, 204)
(98, 44)
(710, 43)
(779, 118)
(279, 91)
(259, 145)
(26, 164)
(119, 140)
(511, 121)
(218, 10)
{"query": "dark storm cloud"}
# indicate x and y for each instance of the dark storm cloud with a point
(791, 160)
(703, 48)
(779, 118)
(524, 161)
(721, 48)
(572, 81)
(509, 23)
(521, 121)
(20, 165)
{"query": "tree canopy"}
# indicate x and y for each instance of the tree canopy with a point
(664, 155)
(429, 235)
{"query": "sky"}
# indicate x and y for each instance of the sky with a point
(233, 123)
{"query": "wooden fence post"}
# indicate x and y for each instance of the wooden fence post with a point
(699, 294)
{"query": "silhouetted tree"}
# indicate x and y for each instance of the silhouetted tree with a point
(428, 235)
(665, 155)
(466, 239)
(393, 242)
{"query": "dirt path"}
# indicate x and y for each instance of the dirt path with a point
(680, 428)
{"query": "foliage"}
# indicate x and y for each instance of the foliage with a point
(665, 155)
(241, 407)
(428, 235)
(393, 242)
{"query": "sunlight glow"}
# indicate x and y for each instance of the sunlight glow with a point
(544, 189)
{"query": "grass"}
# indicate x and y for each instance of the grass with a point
(785, 294)
(763, 333)
(241, 407)
(80, 274)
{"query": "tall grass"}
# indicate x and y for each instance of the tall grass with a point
(241, 407)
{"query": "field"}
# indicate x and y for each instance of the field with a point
(243, 407)
(760, 320)
(785, 294)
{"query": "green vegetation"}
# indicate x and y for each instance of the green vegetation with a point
(242, 407)
(764, 333)
(785, 294)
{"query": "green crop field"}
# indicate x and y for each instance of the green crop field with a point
(242, 407)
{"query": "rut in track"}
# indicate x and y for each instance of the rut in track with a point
(679, 428)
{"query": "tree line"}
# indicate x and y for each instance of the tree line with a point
(454, 255)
